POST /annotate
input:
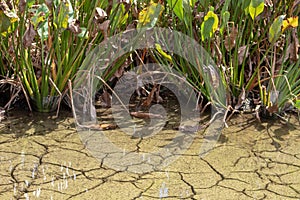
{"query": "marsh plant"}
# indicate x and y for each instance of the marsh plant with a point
(254, 43)
(44, 44)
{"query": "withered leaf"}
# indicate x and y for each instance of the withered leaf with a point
(273, 108)
(144, 115)
(105, 99)
(230, 40)
(269, 3)
(74, 27)
(294, 47)
(131, 25)
(103, 27)
(100, 14)
(243, 53)
(29, 35)
(22, 5)
(49, 3)
(158, 98)
(241, 99)
(150, 97)
(119, 72)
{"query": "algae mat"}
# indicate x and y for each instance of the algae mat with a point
(44, 158)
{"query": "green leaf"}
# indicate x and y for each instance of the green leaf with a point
(177, 7)
(297, 104)
(40, 20)
(43, 30)
(209, 25)
(30, 3)
(225, 19)
(83, 33)
(256, 7)
(206, 28)
(119, 18)
(4, 22)
(275, 29)
(41, 14)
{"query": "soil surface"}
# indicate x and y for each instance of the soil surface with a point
(42, 157)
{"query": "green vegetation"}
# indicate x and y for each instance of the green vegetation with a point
(253, 42)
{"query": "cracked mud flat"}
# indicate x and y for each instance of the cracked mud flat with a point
(44, 158)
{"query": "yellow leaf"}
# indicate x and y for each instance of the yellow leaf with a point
(256, 7)
(290, 22)
(149, 15)
(163, 53)
(216, 20)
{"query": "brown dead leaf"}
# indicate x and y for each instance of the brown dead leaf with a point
(144, 115)
(269, 3)
(105, 99)
(150, 97)
(242, 54)
(132, 25)
(29, 35)
(100, 15)
(273, 108)
(230, 40)
(292, 51)
(74, 26)
(104, 28)
(22, 5)
(158, 98)
(135, 11)
(294, 47)
(49, 3)
(241, 99)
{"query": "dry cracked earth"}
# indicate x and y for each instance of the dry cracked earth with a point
(44, 158)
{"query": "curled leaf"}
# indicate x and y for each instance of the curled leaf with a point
(163, 53)
(225, 19)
